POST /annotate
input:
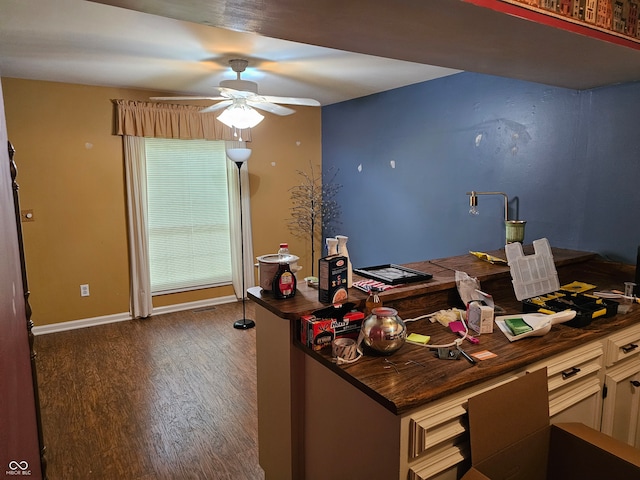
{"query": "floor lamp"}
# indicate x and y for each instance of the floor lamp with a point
(239, 156)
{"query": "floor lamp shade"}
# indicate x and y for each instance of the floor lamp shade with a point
(238, 155)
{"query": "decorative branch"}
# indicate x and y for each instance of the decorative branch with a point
(314, 208)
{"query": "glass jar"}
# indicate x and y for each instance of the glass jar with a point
(384, 331)
(373, 301)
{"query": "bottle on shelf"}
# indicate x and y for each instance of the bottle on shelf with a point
(373, 301)
(342, 250)
(332, 246)
(284, 249)
(284, 282)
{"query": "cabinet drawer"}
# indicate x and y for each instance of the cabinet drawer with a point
(444, 421)
(571, 367)
(621, 345)
(439, 460)
(430, 428)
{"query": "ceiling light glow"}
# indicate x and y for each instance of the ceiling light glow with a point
(240, 115)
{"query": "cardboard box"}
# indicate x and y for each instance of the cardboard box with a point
(480, 313)
(480, 318)
(511, 438)
(318, 333)
(332, 279)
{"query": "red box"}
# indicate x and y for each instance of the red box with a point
(317, 333)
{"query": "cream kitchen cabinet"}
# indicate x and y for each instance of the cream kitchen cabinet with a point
(621, 406)
(575, 384)
(319, 420)
(438, 446)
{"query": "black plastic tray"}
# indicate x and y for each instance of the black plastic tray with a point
(393, 274)
(587, 307)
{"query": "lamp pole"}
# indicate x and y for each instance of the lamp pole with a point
(243, 323)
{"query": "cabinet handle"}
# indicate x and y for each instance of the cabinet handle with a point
(635, 383)
(570, 373)
(629, 348)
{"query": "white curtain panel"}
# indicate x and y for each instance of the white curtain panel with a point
(136, 177)
(234, 217)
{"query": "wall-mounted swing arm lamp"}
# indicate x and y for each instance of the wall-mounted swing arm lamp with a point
(473, 202)
(514, 228)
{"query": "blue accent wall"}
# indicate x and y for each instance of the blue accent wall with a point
(568, 160)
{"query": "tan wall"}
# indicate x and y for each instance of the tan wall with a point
(70, 172)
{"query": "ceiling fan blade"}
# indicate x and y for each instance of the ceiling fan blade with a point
(271, 107)
(233, 93)
(187, 98)
(246, 92)
(309, 102)
(217, 106)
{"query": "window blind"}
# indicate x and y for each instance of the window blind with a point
(188, 214)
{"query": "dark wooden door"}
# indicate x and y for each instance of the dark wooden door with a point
(19, 444)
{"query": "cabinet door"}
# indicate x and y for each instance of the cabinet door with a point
(575, 385)
(622, 345)
(19, 420)
(582, 403)
(622, 404)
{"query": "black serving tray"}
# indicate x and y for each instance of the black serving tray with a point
(393, 274)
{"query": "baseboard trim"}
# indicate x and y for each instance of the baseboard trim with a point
(179, 307)
(121, 317)
(83, 323)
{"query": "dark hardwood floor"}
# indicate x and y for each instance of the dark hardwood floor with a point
(170, 397)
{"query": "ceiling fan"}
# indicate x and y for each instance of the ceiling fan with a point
(239, 96)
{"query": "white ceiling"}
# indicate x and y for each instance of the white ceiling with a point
(77, 41)
(496, 37)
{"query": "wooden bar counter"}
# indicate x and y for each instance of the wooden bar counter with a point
(373, 420)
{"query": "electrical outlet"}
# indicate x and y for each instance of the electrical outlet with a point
(84, 290)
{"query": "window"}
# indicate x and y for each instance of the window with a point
(188, 214)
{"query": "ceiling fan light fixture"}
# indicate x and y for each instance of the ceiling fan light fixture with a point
(240, 115)
(240, 99)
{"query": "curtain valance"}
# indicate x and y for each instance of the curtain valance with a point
(159, 120)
